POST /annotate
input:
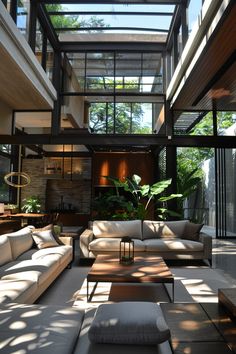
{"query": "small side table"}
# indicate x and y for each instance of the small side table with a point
(73, 232)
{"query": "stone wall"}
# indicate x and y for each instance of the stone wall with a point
(37, 186)
(56, 193)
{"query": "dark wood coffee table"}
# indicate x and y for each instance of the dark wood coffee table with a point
(145, 269)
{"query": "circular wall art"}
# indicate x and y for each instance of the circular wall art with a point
(20, 175)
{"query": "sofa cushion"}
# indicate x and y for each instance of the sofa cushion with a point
(35, 270)
(5, 250)
(129, 323)
(59, 253)
(113, 244)
(55, 229)
(44, 238)
(39, 329)
(131, 228)
(191, 231)
(16, 290)
(20, 241)
(166, 245)
(163, 229)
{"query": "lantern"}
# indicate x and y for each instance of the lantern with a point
(126, 250)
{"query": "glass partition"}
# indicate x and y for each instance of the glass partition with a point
(5, 164)
(22, 22)
(226, 123)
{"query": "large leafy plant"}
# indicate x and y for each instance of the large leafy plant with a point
(32, 204)
(142, 195)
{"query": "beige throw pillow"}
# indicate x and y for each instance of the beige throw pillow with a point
(54, 230)
(44, 239)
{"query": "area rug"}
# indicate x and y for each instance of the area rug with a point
(191, 285)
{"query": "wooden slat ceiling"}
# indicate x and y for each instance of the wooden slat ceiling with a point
(16, 90)
(197, 94)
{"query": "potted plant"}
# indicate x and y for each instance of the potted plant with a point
(32, 204)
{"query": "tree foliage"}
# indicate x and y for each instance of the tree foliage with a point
(190, 160)
(64, 21)
(102, 118)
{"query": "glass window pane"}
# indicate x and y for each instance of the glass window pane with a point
(4, 188)
(226, 123)
(23, 17)
(195, 180)
(194, 9)
(193, 123)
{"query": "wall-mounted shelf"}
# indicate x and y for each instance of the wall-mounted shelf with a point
(76, 167)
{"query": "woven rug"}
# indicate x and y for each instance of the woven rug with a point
(191, 285)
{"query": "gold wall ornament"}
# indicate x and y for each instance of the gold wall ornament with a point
(20, 175)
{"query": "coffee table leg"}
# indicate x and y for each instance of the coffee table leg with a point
(89, 297)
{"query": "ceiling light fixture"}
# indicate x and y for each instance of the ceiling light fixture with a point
(20, 175)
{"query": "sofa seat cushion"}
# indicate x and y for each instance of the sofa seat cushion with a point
(18, 290)
(20, 241)
(113, 244)
(163, 229)
(5, 250)
(131, 228)
(176, 245)
(39, 329)
(59, 253)
(35, 270)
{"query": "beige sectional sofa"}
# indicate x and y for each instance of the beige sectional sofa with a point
(168, 239)
(26, 271)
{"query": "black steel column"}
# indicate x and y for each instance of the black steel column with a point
(13, 10)
(56, 113)
(4, 3)
(169, 124)
(184, 24)
(171, 172)
(44, 51)
(216, 194)
(33, 24)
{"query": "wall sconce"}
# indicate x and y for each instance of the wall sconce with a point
(126, 255)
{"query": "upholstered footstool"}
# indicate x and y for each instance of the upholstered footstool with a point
(125, 327)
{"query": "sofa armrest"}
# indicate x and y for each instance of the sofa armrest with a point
(66, 240)
(207, 243)
(85, 238)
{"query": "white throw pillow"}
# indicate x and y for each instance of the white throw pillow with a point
(44, 239)
(139, 323)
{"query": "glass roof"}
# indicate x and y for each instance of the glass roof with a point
(122, 18)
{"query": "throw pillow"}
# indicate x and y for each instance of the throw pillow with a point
(54, 230)
(191, 231)
(44, 239)
(129, 323)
